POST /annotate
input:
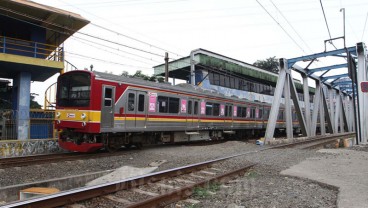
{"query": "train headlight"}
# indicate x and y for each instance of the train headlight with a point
(58, 121)
(58, 114)
(83, 116)
(83, 124)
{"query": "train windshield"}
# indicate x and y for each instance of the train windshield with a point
(74, 90)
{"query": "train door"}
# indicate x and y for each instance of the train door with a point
(136, 108)
(108, 105)
(229, 116)
(192, 114)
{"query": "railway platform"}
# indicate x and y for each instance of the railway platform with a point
(341, 168)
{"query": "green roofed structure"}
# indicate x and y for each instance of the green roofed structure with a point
(226, 75)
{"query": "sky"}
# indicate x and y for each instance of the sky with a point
(131, 35)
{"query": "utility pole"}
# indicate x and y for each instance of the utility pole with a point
(166, 67)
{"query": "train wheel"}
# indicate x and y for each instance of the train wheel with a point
(112, 148)
(128, 146)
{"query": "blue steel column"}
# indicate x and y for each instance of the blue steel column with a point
(23, 85)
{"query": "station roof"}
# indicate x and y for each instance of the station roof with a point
(55, 20)
(208, 60)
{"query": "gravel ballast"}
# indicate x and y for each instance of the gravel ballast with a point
(263, 186)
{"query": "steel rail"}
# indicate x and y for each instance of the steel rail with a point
(79, 194)
(83, 193)
(42, 159)
(185, 192)
(317, 138)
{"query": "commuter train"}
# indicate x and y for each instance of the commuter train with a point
(97, 110)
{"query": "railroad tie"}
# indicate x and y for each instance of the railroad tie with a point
(197, 176)
(76, 206)
(184, 181)
(117, 199)
(165, 186)
(206, 172)
(140, 191)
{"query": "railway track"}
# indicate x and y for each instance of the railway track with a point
(153, 190)
(161, 188)
(42, 159)
(315, 142)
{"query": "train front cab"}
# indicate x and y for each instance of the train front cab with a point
(77, 119)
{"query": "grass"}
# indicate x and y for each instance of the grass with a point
(204, 192)
(252, 174)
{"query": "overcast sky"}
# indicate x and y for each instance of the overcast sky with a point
(241, 29)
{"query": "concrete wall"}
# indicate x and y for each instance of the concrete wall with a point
(16, 148)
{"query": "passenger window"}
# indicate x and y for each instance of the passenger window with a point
(162, 104)
(141, 103)
(209, 109)
(189, 107)
(131, 101)
(108, 97)
(216, 109)
(260, 113)
(168, 104)
(173, 105)
(195, 107)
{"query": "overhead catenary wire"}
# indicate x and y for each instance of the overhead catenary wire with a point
(365, 24)
(105, 61)
(119, 33)
(72, 30)
(292, 27)
(296, 43)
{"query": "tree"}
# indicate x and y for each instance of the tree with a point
(34, 104)
(271, 64)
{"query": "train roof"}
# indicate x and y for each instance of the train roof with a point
(187, 88)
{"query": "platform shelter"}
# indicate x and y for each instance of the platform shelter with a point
(31, 49)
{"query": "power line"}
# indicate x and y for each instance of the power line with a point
(365, 24)
(105, 61)
(72, 30)
(292, 27)
(117, 49)
(86, 43)
(328, 29)
(118, 33)
(281, 26)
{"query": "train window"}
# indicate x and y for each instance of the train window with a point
(173, 105)
(168, 104)
(266, 113)
(252, 113)
(209, 107)
(108, 97)
(189, 107)
(228, 110)
(195, 107)
(141, 102)
(131, 101)
(162, 104)
(243, 112)
(216, 109)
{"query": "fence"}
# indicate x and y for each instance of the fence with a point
(31, 49)
(39, 124)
